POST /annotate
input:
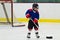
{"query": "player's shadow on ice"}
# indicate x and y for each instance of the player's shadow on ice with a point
(42, 38)
(33, 39)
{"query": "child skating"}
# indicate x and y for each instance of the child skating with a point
(33, 16)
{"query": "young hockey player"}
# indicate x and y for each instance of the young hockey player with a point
(33, 16)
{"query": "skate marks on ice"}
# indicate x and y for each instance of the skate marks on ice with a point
(33, 39)
(36, 39)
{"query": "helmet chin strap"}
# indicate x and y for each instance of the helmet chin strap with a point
(34, 10)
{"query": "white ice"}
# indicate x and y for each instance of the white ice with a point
(19, 33)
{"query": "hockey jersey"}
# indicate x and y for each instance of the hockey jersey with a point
(33, 14)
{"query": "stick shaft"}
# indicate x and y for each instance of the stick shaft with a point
(34, 23)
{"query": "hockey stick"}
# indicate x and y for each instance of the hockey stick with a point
(34, 23)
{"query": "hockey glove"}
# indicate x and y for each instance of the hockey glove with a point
(27, 15)
(35, 20)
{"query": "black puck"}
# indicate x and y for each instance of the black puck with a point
(49, 37)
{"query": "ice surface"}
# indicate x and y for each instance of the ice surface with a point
(19, 33)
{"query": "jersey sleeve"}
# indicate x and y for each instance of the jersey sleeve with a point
(27, 12)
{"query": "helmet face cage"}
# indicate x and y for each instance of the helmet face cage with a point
(35, 6)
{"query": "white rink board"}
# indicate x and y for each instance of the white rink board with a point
(47, 10)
